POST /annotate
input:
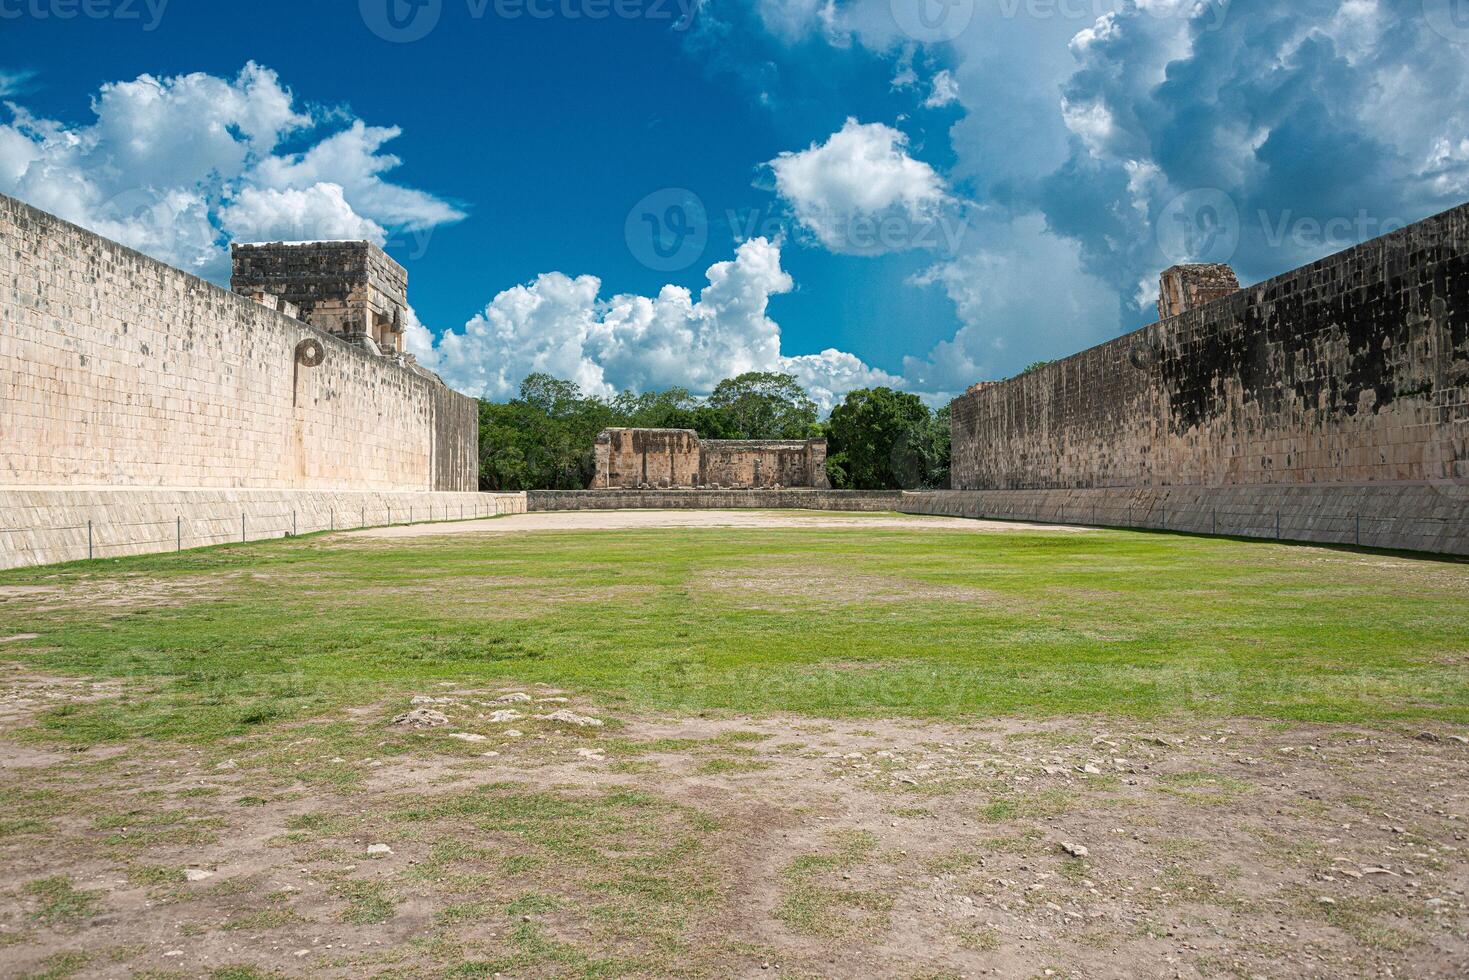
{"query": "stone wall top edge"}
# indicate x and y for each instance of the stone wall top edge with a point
(1242, 299)
(243, 303)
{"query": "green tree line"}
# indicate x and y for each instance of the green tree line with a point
(878, 438)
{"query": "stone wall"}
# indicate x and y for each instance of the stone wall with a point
(117, 370)
(44, 525)
(677, 458)
(647, 457)
(1351, 371)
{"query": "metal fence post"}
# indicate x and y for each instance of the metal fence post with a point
(1216, 520)
(89, 540)
(242, 527)
(178, 531)
(1277, 525)
(1359, 530)
(293, 523)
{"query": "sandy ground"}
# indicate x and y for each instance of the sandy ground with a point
(616, 520)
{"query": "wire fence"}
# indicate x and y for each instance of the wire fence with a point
(103, 537)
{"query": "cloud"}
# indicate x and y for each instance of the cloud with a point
(559, 324)
(860, 192)
(1086, 139)
(319, 212)
(14, 81)
(1017, 272)
(177, 166)
(944, 92)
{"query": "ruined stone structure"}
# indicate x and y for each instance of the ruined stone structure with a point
(1349, 375)
(1184, 287)
(117, 372)
(677, 458)
(350, 289)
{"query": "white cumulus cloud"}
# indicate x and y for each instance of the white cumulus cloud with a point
(860, 191)
(559, 324)
(177, 166)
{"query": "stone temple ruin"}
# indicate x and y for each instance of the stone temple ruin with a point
(352, 290)
(665, 459)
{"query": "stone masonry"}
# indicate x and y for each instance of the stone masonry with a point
(350, 289)
(117, 370)
(1350, 375)
(1184, 287)
(1352, 370)
(677, 458)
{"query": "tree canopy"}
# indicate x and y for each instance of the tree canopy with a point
(543, 439)
(881, 439)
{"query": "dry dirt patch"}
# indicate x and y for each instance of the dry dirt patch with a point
(738, 846)
(617, 520)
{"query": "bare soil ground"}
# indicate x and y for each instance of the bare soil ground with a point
(610, 520)
(512, 845)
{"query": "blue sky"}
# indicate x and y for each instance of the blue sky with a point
(923, 193)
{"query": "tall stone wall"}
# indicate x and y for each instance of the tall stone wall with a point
(117, 370)
(1350, 371)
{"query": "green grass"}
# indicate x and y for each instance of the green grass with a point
(823, 622)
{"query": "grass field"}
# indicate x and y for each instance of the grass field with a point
(912, 710)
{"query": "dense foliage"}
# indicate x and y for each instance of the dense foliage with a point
(543, 439)
(881, 439)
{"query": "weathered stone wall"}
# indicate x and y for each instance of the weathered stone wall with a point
(1350, 371)
(1422, 517)
(117, 370)
(345, 288)
(669, 458)
(647, 457)
(44, 525)
(763, 463)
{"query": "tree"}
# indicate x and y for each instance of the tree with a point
(542, 440)
(881, 439)
(765, 406)
(545, 438)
